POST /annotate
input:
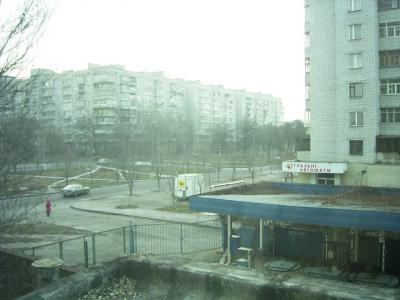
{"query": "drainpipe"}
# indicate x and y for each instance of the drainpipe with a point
(229, 238)
(382, 242)
(261, 233)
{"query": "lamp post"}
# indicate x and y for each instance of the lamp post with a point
(252, 172)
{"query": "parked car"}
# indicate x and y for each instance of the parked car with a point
(73, 190)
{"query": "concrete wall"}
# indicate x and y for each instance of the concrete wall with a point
(378, 175)
(178, 278)
(17, 277)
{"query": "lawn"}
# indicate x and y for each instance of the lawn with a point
(19, 185)
(111, 175)
(60, 172)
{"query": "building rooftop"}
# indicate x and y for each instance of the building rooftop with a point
(383, 204)
(349, 211)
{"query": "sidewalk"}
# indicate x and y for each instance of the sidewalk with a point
(148, 205)
(105, 208)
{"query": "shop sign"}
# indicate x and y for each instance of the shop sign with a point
(314, 167)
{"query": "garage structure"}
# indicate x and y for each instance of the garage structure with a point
(357, 237)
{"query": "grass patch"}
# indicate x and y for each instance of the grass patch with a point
(60, 172)
(20, 185)
(112, 175)
(41, 228)
(124, 206)
(179, 207)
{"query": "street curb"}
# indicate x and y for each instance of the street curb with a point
(125, 215)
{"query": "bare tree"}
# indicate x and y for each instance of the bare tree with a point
(220, 136)
(18, 136)
(19, 34)
(125, 150)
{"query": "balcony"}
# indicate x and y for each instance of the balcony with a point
(388, 73)
(386, 44)
(390, 128)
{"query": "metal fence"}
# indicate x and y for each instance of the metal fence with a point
(170, 238)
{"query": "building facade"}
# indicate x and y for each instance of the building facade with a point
(352, 65)
(104, 95)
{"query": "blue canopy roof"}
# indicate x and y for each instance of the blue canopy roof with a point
(294, 212)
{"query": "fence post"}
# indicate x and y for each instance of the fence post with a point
(61, 247)
(33, 252)
(130, 238)
(124, 239)
(85, 253)
(94, 248)
(135, 238)
(181, 239)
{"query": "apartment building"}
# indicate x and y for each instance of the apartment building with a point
(104, 95)
(352, 65)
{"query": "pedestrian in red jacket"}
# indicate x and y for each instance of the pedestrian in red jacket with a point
(48, 207)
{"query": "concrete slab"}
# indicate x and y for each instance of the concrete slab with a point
(385, 280)
(282, 266)
(325, 272)
(179, 278)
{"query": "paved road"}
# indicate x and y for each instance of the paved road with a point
(163, 238)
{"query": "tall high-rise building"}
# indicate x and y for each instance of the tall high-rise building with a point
(352, 65)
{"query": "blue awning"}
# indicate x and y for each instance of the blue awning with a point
(318, 215)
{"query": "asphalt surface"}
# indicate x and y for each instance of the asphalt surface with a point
(97, 212)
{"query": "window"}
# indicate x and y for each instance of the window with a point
(307, 39)
(390, 86)
(356, 89)
(389, 29)
(308, 92)
(356, 147)
(48, 83)
(307, 63)
(356, 118)
(328, 179)
(388, 4)
(355, 60)
(303, 144)
(388, 59)
(354, 5)
(355, 32)
(387, 144)
(390, 115)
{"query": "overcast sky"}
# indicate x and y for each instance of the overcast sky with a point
(256, 45)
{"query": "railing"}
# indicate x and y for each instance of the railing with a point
(227, 184)
(169, 238)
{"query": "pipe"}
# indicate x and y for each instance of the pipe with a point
(382, 241)
(261, 233)
(229, 239)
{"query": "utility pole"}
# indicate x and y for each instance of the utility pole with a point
(252, 172)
